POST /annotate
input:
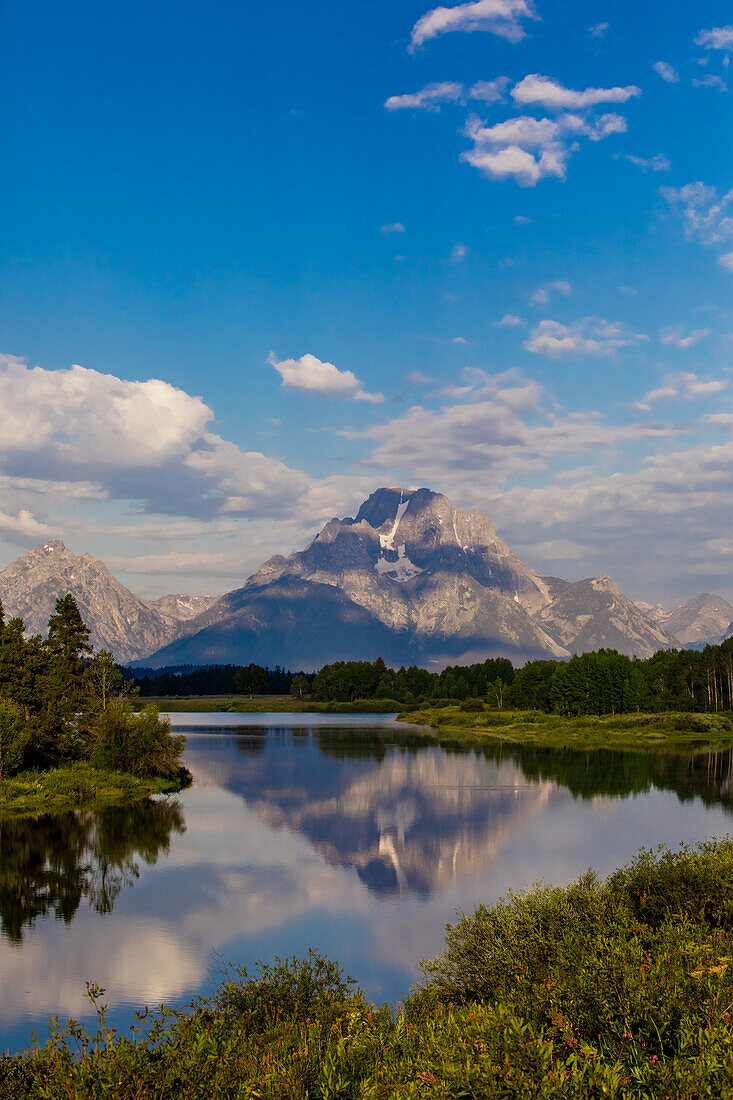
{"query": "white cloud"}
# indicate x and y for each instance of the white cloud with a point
(726, 261)
(667, 72)
(528, 149)
(83, 417)
(521, 219)
(630, 290)
(543, 294)
(501, 429)
(459, 252)
(589, 336)
(678, 337)
(417, 378)
(598, 30)
(542, 91)
(716, 38)
(392, 227)
(81, 436)
(25, 526)
(490, 91)
(509, 320)
(459, 340)
(499, 17)
(705, 216)
(682, 387)
(710, 81)
(428, 98)
(657, 163)
(314, 376)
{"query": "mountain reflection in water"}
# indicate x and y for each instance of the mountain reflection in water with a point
(425, 815)
(300, 832)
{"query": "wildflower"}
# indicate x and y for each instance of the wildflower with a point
(653, 1059)
(626, 1035)
(726, 1015)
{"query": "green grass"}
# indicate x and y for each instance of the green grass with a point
(77, 786)
(625, 731)
(616, 989)
(242, 704)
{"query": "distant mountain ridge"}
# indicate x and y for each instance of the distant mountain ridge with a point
(418, 581)
(119, 621)
(409, 578)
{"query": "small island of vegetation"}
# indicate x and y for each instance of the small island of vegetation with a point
(70, 737)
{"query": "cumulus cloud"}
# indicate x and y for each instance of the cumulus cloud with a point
(588, 336)
(716, 38)
(522, 219)
(598, 30)
(314, 376)
(657, 163)
(542, 91)
(392, 227)
(80, 435)
(528, 149)
(510, 320)
(459, 252)
(678, 337)
(682, 387)
(543, 294)
(500, 17)
(500, 429)
(83, 417)
(667, 72)
(490, 91)
(428, 98)
(726, 261)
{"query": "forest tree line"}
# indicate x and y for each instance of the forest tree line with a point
(60, 702)
(602, 682)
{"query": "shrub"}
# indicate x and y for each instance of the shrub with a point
(140, 744)
(472, 705)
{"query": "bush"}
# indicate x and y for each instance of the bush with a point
(299, 989)
(140, 744)
(472, 705)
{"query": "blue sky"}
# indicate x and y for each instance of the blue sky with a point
(294, 252)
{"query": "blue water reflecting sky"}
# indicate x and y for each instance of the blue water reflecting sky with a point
(350, 843)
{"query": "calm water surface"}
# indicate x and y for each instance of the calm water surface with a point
(346, 833)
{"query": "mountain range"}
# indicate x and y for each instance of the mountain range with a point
(410, 578)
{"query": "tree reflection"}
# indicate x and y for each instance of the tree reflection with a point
(49, 864)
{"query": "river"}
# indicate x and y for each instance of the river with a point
(350, 834)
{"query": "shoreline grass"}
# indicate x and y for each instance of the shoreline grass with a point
(263, 704)
(640, 732)
(622, 988)
(78, 786)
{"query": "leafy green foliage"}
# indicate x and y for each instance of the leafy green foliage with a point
(60, 703)
(618, 989)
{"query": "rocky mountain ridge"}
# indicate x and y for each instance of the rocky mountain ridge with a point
(119, 621)
(418, 581)
(410, 578)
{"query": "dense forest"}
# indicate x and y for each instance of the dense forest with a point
(60, 702)
(603, 682)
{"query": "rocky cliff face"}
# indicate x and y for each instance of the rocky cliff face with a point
(704, 620)
(415, 579)
(118, 620)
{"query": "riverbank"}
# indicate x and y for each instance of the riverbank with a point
(616, 989)
(78, 786)
(267, 704)
(649, 732)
